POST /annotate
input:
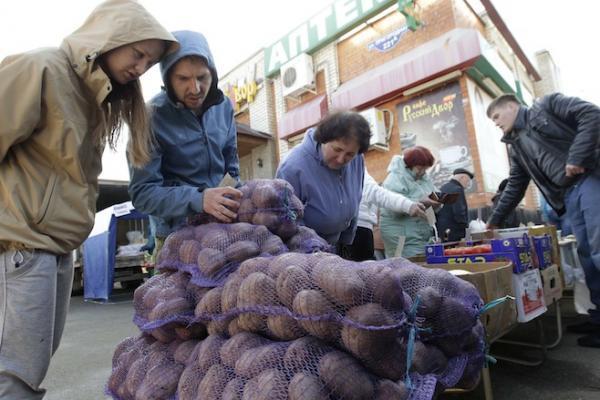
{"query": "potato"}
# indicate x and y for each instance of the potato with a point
(282, 327)
(208, 353)
(246, 210)
(188, 383)
(210, 305)
(233, 390)
(387, 290)
(430, 301)
(253, 361)
(214, 382)
(311, 303)
(286, 229)
(428, 359)
(218, 327)
(265, 196)
(234, 347)
(160, 382)
(290, 281)
(230, 292)
(345, 377)
(285, 260)
(164, 334)
(304, 353)
(250, 389)
(256, 264)
(172, 293)
(169, 308)
(256, 290)
(215, 238)
(233, 328)
(266, 218)
(195, 293)
(305, 386)
(135, 376)
(272, 385)
(183, 351)
(152, 297)
(188, 251)
(124, 346)
(364, 343)
(241, 250)
(341, 283)
(388, 390)
(273, 246)
(210, 261)
(390, 365)
(116, 380)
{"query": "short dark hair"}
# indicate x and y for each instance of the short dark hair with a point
(500, 101)
(344, 125)
(418, 155)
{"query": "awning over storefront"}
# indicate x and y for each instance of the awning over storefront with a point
(303, 117)
(456, 49)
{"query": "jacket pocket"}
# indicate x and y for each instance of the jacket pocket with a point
(47, 199)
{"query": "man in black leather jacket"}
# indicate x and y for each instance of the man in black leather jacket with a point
(556, 142)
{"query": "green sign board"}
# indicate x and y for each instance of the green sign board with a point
(333, 21)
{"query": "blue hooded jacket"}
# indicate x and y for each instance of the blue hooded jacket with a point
(330, 197)
(192, 152)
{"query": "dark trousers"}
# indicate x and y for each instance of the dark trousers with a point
(362, 248)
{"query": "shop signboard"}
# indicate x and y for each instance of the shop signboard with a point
(389, 41)
(436, 120)
(333, 21)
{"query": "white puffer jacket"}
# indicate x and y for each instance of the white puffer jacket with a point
(375, 196)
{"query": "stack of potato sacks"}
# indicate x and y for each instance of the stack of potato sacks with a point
(251, 320)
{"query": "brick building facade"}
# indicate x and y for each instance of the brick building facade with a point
(431, 85)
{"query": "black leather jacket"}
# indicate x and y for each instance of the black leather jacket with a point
(556, 130)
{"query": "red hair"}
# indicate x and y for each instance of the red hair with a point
(418, 155)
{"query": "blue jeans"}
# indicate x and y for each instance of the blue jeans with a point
(583, 210)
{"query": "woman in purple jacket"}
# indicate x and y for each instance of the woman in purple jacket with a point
(327, 172)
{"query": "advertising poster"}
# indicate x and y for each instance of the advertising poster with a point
(436, 120)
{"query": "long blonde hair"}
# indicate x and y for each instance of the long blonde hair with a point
(126, 104)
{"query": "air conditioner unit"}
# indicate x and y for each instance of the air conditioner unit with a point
(297, 75)
(376, 120)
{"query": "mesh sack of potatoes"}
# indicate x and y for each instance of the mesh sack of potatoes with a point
(143, 368)
(248, 366)
(359, 307)
(267, 202)
(210, 252)
(306, 240)
(164, 307)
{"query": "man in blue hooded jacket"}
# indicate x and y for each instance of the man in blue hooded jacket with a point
(196, 143)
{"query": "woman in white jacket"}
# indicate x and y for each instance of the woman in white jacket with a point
(374, 197)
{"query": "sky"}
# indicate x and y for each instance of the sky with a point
(236, 29)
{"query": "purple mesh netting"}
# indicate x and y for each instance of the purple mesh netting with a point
(268, 202)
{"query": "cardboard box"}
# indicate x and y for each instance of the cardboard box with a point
(529, 295)
(515, 249)
(493, 280)
(552, 284)
(550, 230)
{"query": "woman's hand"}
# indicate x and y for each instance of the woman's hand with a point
(417, 210)
(427, 202)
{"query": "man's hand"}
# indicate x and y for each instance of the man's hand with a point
(573, 170)
(417, 210)
(222, 203)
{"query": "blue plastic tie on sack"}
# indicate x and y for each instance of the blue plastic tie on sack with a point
(412, 333)
(494, 303)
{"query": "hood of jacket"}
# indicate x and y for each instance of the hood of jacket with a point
(49, 158)
(112, 24)
(192, 44)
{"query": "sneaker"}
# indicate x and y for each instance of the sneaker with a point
(584, 328)
(591, 340)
